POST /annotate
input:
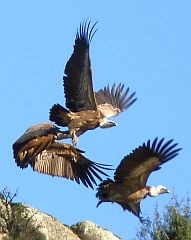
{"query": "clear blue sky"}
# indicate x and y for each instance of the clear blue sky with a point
(144, 44)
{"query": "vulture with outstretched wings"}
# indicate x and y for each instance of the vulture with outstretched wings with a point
(86, 109)
(129, 185)
(38, 148)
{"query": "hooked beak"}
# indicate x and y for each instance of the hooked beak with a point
(165, 190)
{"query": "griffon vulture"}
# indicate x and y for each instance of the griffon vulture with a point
(86, 109)
(129, 185)
(38, 148)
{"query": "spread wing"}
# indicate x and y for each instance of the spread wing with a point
(135, 168)
(37, 148)
(113, 101)
(63, 160)
(32, 142)
(78, 85)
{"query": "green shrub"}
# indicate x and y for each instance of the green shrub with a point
(173, 224)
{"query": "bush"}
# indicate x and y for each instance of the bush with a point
(16, 221)
(174, 224)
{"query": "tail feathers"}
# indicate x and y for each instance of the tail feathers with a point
(103, 191)
(59, 115)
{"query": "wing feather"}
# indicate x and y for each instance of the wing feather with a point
(158, 145)
(65, 161)
(37, 148)
(136, 167)
(33, 132)
(133, 207)
(78, 86)
(26, 151)
(113, 101)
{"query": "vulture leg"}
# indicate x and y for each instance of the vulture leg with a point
(74, 138)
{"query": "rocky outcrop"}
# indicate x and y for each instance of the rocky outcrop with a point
(87, 230)
(51, 229)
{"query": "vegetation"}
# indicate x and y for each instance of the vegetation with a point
(173, 224)
(16, 221)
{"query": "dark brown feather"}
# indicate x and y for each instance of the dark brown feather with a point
(46, 156)
(59, 115)
(63, 160)
(138, 165)
(32, 142)
(132, 207)
(78, 86)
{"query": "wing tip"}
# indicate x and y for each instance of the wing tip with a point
(164, 150)
(117, 96)
(85, 32)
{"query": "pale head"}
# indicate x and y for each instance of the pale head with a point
(107, 124)
(155, 191)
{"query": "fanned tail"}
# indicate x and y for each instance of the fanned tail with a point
(59, 115)
(102, 191)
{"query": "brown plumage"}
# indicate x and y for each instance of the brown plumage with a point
(38, 148)
(86, 109)
(129, 185)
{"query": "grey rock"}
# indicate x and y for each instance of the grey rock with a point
(54, 230)
(87, 230)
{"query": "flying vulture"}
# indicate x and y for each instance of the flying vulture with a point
(38, 148)
(129, 185)
(86, 109)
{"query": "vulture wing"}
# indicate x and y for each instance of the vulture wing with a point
(63, 160)
(32, 142)
(37, 148)
(113, 101)
(135, 168)
(37, 131)
(78, 85)
(133, 207)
